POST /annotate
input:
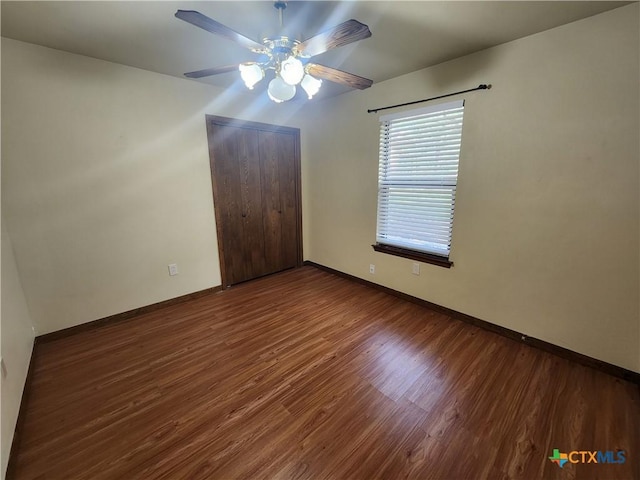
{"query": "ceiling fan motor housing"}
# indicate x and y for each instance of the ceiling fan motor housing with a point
(281, 45)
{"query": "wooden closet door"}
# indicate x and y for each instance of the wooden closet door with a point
(255, 170)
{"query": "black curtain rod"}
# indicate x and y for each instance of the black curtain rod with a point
(479, 87)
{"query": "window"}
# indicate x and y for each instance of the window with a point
(418, 173)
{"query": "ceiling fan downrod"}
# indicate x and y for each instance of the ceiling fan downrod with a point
(280, 6)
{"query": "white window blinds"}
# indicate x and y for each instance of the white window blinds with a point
(418, 172)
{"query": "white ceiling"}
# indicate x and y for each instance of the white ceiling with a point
(407, 36)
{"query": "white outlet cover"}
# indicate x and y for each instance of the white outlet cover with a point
(173, 269)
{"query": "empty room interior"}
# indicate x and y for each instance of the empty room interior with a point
(320, 240)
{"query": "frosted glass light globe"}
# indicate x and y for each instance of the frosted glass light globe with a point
(311, 85)
(279, 91)
(292, 70)
(251, 74)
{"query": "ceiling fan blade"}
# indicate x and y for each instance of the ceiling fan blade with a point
(207, 72)
(210, 25)
(338, 36)
(338, 76)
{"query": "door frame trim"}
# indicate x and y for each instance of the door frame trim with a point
(212, 120)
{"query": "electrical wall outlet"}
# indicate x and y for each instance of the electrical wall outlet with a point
(372, 268)
(173, 269)
(415, 268)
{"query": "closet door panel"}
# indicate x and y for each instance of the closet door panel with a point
(226, 172)
(253, 242)
(270, 169)
(288, 199)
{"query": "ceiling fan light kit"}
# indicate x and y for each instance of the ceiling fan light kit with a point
(289, 59)
(287, 67)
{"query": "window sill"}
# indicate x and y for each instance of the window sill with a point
(413, 255)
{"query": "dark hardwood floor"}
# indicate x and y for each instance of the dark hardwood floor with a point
(308, 375)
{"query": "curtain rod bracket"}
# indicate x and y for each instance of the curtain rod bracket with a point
(482, 86)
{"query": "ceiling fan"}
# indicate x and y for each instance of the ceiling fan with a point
(288, 58)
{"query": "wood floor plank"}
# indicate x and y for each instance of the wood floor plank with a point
(308, 375)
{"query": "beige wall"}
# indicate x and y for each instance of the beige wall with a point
(545, 238)
(106, 181)
(17, 343)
